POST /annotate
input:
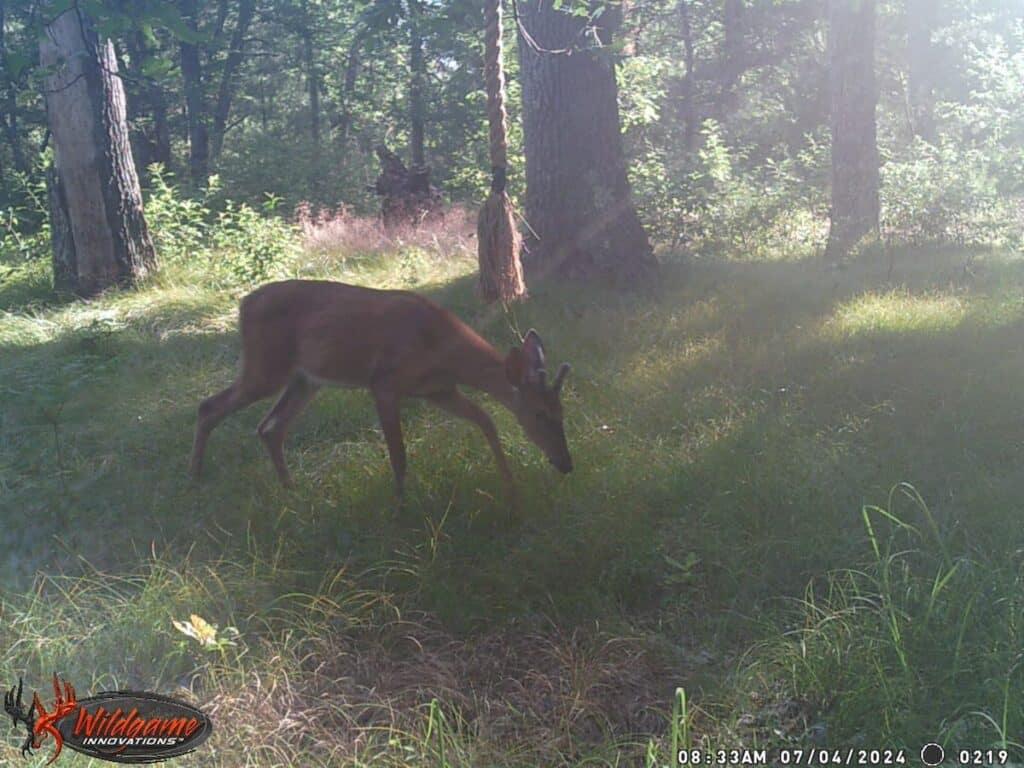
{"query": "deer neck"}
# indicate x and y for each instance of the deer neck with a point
(484, 370)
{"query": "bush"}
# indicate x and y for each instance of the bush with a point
(237, 244)
(717, 201)
(25, 227)
(948, 194)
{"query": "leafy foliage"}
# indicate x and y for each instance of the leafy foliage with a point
(229, 242)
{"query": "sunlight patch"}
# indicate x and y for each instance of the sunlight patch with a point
(897, 312)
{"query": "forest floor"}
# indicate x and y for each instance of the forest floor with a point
(735, 526)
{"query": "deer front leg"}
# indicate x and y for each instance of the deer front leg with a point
(457, 404)
(389, 413)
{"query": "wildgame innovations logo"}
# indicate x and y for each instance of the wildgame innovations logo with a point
(119, 726)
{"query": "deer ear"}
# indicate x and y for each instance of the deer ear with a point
(534, 351)
(515, 367)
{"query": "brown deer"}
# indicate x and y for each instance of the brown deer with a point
(298, 335)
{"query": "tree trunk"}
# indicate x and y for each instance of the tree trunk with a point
(732, 64)
(151, 143)
(192, 77)
(226, 92)
(312, 77)
(687, 107)
(349, 87)
(855, 205)
(922, 16)
(417, 70)
(101, 236)
(578, 201)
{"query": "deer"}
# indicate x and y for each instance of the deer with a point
(301, 335)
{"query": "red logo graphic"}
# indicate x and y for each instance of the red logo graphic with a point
(120, 726)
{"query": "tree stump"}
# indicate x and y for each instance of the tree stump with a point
(406, 193)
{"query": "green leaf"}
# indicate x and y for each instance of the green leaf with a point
(15, 64)
(157, 67)
(55, 8)
(169, 18)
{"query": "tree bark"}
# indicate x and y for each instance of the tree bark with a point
(578, 200)
(101, 234)
(226, 91)
(855, 204)
(192, 77)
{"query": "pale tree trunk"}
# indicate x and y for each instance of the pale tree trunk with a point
(855, 205)
(578, 203)
(101, 239)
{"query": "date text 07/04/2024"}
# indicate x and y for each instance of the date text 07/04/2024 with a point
(844, 757)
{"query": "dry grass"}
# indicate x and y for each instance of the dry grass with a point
(553, 695)
(341, 233)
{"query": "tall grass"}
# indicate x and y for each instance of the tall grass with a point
(918, 640)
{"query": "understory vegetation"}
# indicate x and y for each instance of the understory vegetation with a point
(792, 522)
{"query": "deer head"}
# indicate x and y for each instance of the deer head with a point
(538, 407)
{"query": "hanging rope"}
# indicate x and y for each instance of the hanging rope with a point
(498, 240)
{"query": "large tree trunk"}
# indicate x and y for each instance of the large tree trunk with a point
(855, 206)
(192, 77)
(578, 201)
(102, 239)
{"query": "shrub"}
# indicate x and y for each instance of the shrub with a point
(237, 244)
(948, 194)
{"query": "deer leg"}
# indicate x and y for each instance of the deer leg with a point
(457, 404)
(212, 411)
(274, 427)
(389, 412)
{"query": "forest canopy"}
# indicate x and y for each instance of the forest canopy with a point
(724, 109)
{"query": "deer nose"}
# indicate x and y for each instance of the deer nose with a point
(563, 465)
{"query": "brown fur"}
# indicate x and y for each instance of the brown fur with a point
(298, 335)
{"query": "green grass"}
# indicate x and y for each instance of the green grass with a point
(732, 426)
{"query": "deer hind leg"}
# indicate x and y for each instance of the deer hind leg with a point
(246, 390)
(389, 413)
(212, 411)
(274, 427)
